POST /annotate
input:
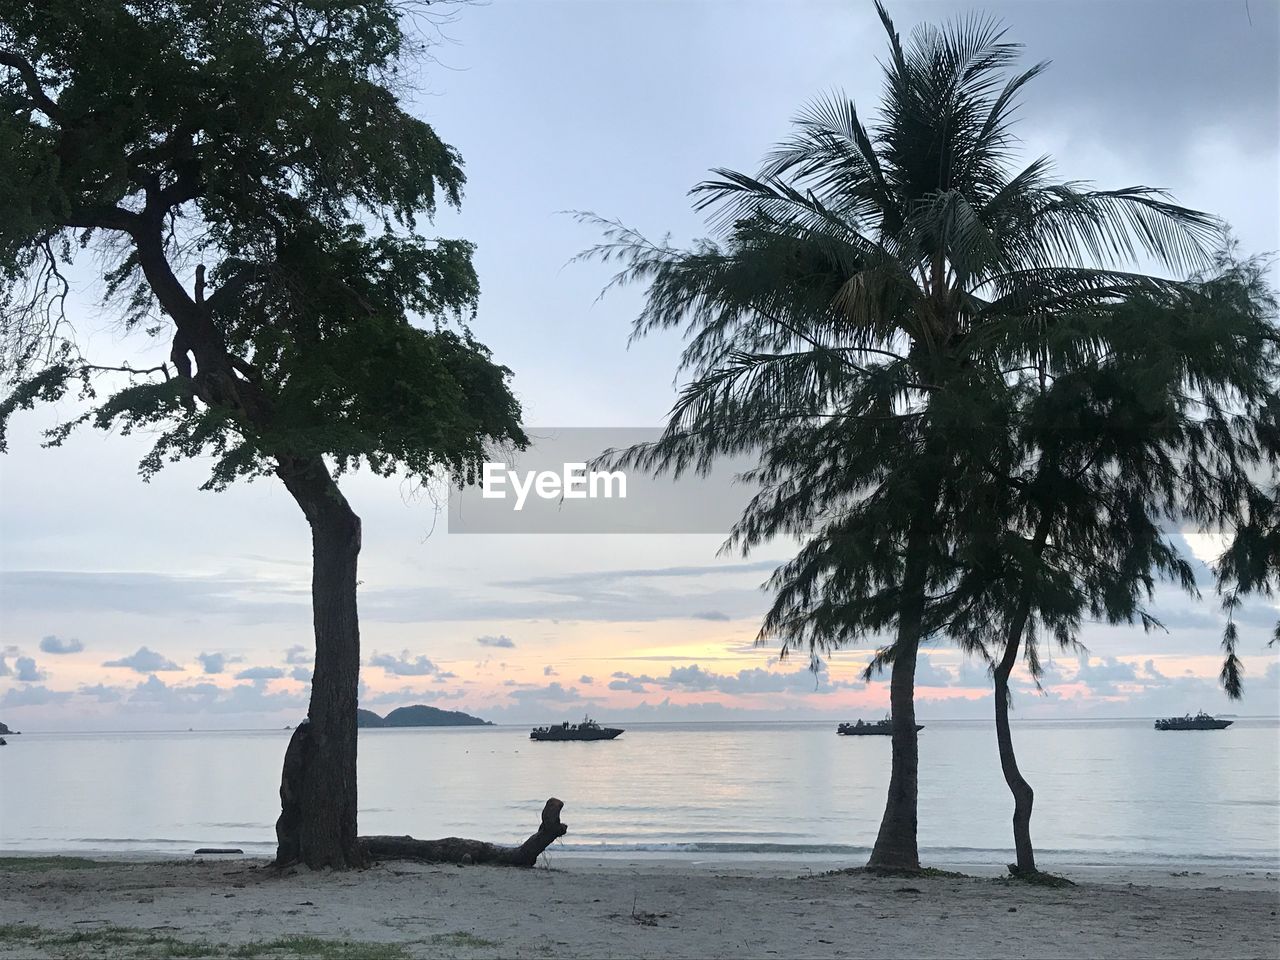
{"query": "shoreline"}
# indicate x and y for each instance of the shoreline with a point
(771, 862)
(592, 907)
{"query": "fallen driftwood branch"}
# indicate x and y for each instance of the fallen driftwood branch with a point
(458, 850)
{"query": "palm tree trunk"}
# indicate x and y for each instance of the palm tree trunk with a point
(895, 847)
(1023, 795)
(317, 824)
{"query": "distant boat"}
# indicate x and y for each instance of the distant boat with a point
(880, 728)
(1201, 721)
(588, 729)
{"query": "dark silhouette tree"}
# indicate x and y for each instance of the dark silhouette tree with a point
(1251, 563)
(857, 320)
(252, 181)
(1145, 421)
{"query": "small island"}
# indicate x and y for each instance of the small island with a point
(419, 716)
(5, 731)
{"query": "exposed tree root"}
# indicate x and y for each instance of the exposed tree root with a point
(458, 850)
(1038, 877)
(896, 873)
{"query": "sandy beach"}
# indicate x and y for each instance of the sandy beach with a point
(578, 907)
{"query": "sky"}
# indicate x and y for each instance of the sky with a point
(131, 605)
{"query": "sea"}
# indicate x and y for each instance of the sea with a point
(1108, 792)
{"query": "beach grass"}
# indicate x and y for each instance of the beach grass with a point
(41, 864)
(102, 941)
(318, 947)
(129, 943)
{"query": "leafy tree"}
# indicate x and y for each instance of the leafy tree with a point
(1251, 562)
(857, 321)
(252, 181)
(1142, 422)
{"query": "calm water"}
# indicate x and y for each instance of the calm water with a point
(1113, 791)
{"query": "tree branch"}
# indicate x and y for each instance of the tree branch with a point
(101, 218)
(31, 80)
(458, 850)
(125, 368)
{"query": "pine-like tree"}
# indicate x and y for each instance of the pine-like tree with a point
(856, 321)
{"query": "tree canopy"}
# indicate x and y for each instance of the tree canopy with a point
(874, 316)
(252, 184)
(246, 168)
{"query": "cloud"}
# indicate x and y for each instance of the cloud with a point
(754, 680)
(597, 578)
(974, 673)
(711, 591)
(205, 697)
(549, 671)
(629, 684)
(102, 693)
(1051, 675)
(32, 696)
(260, 673)
(1107, 670)
(298, 654)
(216, 662)
(408, 695)
(1105, 78)
(498, 641)
(144, 661)
(26, 671)
(58, 645)
(402, 666)
(929, 674)
(247, 600)
(586, 680)
(302, 674)
(551, 693)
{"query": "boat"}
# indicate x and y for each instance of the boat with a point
(588, 729)
(879, 728)
(1201, 721)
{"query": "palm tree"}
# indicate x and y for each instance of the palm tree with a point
(857, 319)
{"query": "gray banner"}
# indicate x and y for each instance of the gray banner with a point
(553, 487)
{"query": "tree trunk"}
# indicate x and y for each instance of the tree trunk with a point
(317, 824)
(1023, 795)
(457, 850)
(895, 847)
